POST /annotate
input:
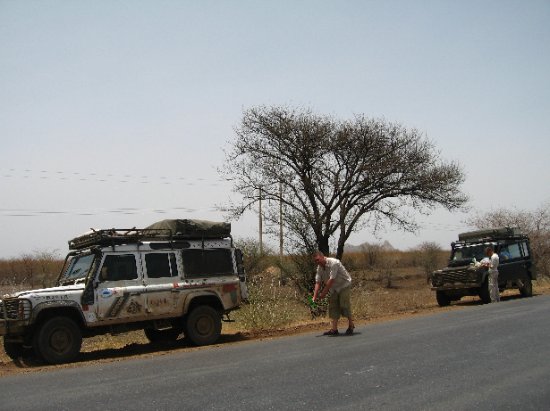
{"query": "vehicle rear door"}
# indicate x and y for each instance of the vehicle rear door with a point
(511, 263)
(161, 275)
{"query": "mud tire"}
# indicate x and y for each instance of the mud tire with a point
(203, 325)
(57, 340)
(527, 289)
(16, 350)
(442, 298)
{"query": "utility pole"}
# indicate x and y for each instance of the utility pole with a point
(281, 221)
(260, 223)
(280, 232)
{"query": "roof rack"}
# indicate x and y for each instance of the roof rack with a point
(490, 234)
(165, 230)
(117, 236)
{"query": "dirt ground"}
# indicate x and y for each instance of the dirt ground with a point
(406, 297)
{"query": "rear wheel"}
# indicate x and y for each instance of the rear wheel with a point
(203, 325)
(527, 289)
(442, 298)
(57, 340)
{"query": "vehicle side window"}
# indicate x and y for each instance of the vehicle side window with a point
(525, 248)
(161, 265)
(207, 263)
(514, 251)
(119, 267)
(504, 253)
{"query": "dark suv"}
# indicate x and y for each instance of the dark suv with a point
(465, 275)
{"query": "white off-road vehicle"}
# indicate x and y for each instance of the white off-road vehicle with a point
(173, 277)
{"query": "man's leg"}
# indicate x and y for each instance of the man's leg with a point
(334, 310)
(493, 287)
(345, 306)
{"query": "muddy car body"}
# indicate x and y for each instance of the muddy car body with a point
(167, 281)
(465, 275)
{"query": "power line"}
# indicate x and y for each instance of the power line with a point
(109, 177)
(60, 175)
(20, 212)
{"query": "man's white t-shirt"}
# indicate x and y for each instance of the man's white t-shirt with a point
(493, 268)
(333, 269)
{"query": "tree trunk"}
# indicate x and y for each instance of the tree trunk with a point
(342, 237)
(322, 245)
(340, 250)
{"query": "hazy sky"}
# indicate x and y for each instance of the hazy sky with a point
(116, 113)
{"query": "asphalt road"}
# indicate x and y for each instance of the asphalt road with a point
(484, 357)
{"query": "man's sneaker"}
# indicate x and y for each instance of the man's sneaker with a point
(349, 331)
(331, 333)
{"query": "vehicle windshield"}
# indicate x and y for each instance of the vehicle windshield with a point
(462, 255)
(78, 268)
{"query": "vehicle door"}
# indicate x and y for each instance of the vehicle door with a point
(511, 263)
(161, 276)
(120, 293)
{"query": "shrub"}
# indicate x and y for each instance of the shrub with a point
(270, 306)
(39, 269)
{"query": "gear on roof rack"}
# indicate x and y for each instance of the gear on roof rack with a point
(480, 235)
(165, 230)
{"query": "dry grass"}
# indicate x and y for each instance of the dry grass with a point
(269, 307)
(275, 310)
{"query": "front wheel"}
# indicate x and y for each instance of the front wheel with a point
(57, 340)
(203, 325)
(15, 350)
(442, 298)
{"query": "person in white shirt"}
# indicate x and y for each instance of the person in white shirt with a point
(333, 275)
(492, 266)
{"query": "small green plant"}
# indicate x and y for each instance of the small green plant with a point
(317, 308)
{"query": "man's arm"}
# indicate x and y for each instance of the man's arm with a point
(325, 291)
(494, 261)
(316, 291)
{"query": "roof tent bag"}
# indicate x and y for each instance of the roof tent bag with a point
(501, 232)
(193, 228)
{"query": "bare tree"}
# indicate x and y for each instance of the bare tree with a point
(28, 263)
(255, 262)
(372, 254)
(337, 176)
(430, 254)
(48, 266)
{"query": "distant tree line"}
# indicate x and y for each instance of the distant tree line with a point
(37, 269)
(41, 268)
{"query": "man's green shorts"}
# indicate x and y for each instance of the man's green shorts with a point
(339, 304)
